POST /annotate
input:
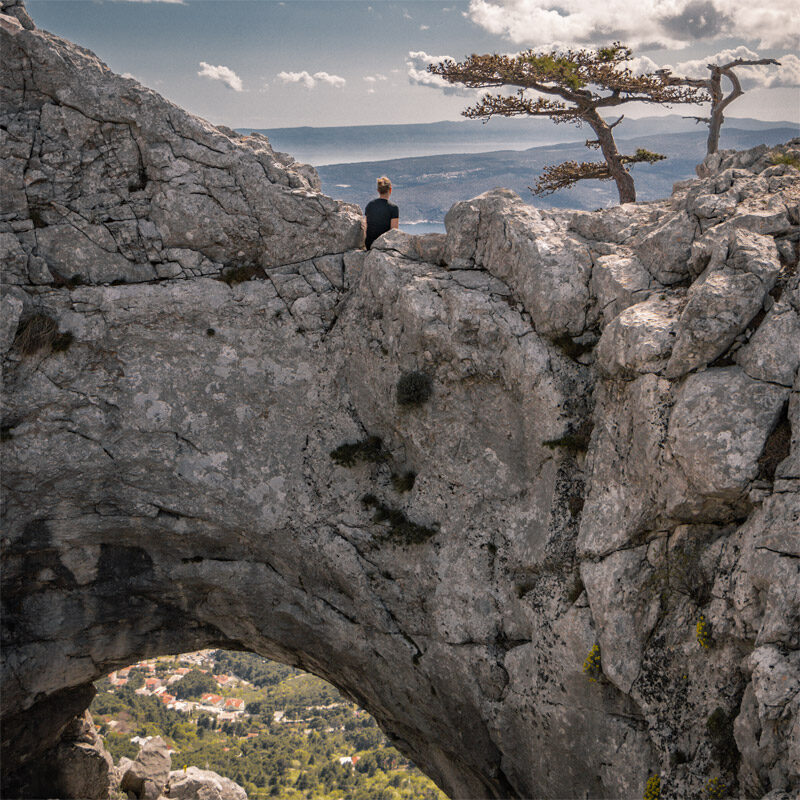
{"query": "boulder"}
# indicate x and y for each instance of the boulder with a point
(146, 777)
(202, 784)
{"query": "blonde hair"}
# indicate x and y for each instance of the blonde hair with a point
(384, 184)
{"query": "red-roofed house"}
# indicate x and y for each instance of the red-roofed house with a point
(234, 703)
(212, 699)
(166, 699)
(152, 683)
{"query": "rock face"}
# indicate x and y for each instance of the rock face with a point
(599, 411)
(202, 784)
(147, 777)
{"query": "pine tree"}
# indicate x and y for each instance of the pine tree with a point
(713, 85)
(573, 86)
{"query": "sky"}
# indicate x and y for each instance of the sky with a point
(287, 63)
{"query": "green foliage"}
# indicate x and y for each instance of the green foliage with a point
(296, 759)
(256, 669)
(557, 68)
(369, 449)
(652, 790)
(703, 633)
(592, 665)
(787, 159)
(400, 526)
(194, 684)
(136, 679)
(723, 743)
(414, 389)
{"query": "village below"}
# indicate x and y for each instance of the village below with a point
(273, 729)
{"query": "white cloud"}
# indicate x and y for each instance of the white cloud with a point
(648, 23)
(220, 73)
(767, 76)
(642, 64)
(310, 81)
(424, 27)
(406, 15)
(417, 68)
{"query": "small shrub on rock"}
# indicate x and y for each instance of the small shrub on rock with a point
(703, 633)
(592, 666)
(400, 526)
(723, 743)
(404, 482)
(414, 389)
(40, 332)
(652, 789)
(369, 449)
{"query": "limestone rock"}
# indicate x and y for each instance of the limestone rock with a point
(117, 177)
(618, 282)
(719, 426)
(641, 338)
(147, 776)
(169, 483)
(548, 271)
(773, 352)
(203, 784)
(665, 249)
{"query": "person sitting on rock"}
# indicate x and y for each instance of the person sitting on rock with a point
(380, 213)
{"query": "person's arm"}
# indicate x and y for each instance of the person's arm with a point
(395, 223)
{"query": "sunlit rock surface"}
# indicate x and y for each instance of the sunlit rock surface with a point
(608, 452)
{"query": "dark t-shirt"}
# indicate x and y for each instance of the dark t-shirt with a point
(379, 213)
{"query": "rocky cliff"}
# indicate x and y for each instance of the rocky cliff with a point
(528, 492)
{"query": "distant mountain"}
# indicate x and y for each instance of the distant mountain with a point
(336, 145)
(426, 187)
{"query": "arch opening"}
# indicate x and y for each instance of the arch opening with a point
(272, 728)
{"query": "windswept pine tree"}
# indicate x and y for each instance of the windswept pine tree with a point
(570, 86)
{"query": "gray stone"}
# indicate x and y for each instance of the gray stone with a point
(148, 774)
(666, 248)
(548, 271)
(619, 281)
(773, 352)
(166, 489)
(641, 338)
(718, 428)
(10, 311)
(203, 784)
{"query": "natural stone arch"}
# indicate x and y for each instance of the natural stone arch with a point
(166, 445)
(192, 501)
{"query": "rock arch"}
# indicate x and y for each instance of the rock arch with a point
(167, 437)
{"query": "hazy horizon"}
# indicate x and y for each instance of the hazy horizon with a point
(270, 64)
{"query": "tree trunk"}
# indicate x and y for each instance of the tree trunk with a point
(608, 147)
(715, 118)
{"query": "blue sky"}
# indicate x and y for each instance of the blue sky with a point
(267, 64)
